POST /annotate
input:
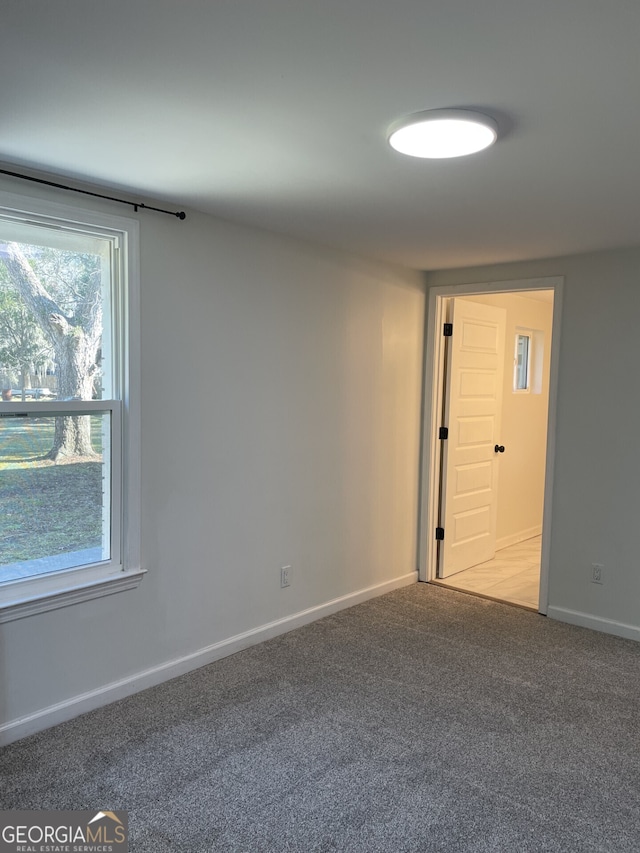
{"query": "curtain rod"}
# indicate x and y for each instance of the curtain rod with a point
(134, 204)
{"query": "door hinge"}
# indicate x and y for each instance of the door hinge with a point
(443, 432)
(439, 534)
(448, 330)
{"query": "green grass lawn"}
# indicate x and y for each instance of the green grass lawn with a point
(46, 508)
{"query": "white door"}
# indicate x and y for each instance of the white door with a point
(470, 461)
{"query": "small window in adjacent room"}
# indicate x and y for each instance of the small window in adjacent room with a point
(522, 362)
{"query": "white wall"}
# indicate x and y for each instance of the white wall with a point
(596, 499)
(523, 429)
(281, 389)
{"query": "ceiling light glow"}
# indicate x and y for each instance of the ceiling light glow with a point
(437, 134)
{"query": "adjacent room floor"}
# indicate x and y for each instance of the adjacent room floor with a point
(513, 575)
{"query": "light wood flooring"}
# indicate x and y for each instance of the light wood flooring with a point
(513, 575)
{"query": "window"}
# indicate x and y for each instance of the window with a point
(522, 363)
(68, 415)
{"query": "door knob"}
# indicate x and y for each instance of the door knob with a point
(499, 448)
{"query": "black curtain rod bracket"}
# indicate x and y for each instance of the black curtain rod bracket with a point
(180, 214)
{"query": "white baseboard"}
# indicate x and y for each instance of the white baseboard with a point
(597, 623)
(521, 536)
(76, 705)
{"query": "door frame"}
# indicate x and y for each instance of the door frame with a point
(433, 398)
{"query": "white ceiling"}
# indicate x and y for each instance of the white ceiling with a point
(274, 113)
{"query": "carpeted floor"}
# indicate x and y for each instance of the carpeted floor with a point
(425, 720)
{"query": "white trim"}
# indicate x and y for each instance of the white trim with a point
(82, 219)
(596, 623)
(72, 594)
(430, 452)
(132, 428)
(51, 408)
(430, 447)
(522, 536)
(70, 708)
(551, 446)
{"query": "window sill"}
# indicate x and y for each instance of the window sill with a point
(22, 606)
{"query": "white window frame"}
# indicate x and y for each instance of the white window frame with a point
(123, 571)
(523, 333)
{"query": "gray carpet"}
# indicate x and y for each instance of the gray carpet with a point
(425, 720)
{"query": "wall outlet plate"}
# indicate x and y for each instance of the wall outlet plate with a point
(285, 576)
(597, 571)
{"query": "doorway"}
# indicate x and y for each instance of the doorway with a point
(490, 390)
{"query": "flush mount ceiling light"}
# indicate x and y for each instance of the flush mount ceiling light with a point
(438, 134)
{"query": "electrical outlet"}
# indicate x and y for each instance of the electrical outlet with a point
(597, 570)
(285, 576)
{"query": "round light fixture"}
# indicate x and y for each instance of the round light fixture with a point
(438, 134)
